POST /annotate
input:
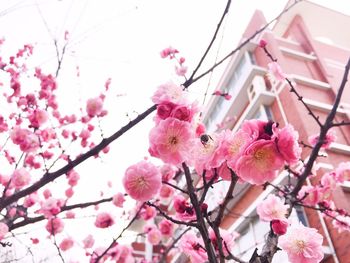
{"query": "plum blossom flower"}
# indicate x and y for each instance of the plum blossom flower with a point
(234, 146)
(279, 226)
(343, 172)
(259, 163)
(276, 70)
(4, 229)
(169, 92)
(262, 43)
(171, 140)
(208, 152)
(118, 200)
(227, 240)
(94, 106)
(66, 244)
(287, 143)
(310, 195)
(154, 236)
(104, 220)
(184, 210)
(54, 225)
(20, 178)
(51, 207)
(166, 227)
(38, 118)
(330, 137)
(27, 140)
(168, 52)
(89, 241)
(272, 208)
(193, 247)
(148, 212)
(342, 223)
(302, 244)
(181, 70)
(142, 181)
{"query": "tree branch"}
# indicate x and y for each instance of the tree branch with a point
(49, 177)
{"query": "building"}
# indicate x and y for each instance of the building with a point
(312, 49)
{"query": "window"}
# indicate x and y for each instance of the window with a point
(254, 233)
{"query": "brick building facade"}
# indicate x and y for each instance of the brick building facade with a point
(312, 50)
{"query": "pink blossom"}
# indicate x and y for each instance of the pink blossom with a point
(70, 215)
(342, 223)
(260, 162)
(148, 212)
(26, 140)
(104, 220)
(234, 146)
(168, 172)
(310, 195)
(4, 229)
(258, 129)
(302, 244)
(184, 210)
(168, 52)
(200, 129)
(54, 226)
(227, 96)
(30, 200)
(164, 110)
(343, 172)
(20, 178)
(193, 247)
(182, 113)
(66, 244)
(171, 141)
(166, 191)
(73, 178)
(142, 181)
(154, 236)
(279, 226)
(208, 152)
(166, 227)
(276, 71)
(227, 240)
(287, 143)
(89, 241)
(272, 208)
(118, 200)
(38, 118)
(94, 106)
(330, 137)
(169, 92)
(181, 70)
(51, 207)
(262, 43)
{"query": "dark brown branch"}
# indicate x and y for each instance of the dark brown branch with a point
(293, 90)
(99, 257)
(172, 245)
(190, 80)
(49, 177)
(324, 129)
(171, 218)
(227, 199)
(200, 219)
(231, 256)
(31, 220)
(342, 123)
(245, 42)
(175, 187)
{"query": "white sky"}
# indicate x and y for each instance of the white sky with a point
(122, 40)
